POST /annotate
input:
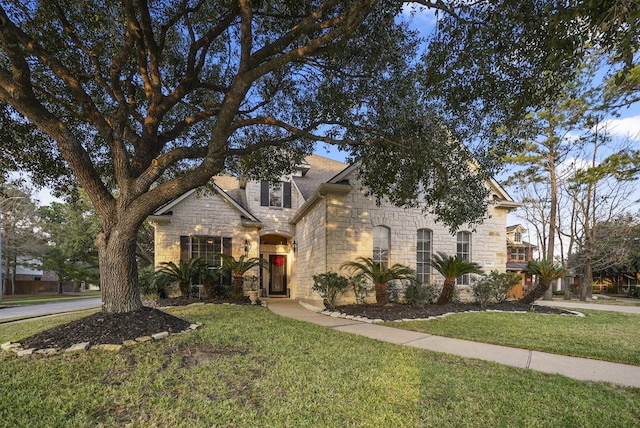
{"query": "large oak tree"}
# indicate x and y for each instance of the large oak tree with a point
(139, 101)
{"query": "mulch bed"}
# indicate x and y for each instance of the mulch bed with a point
(394, 312)
(101, 328)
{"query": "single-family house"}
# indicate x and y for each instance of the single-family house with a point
(312, 222)
(519, 253)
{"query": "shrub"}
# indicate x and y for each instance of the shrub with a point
(330, 285)
(360, 287)
(417, 294)
(494, 287)
(634, 291)
(152, 284)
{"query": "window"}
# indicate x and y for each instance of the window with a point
(381, 245)
(518, 254)
(275, 195)
(206, 247)
(423, 255)
(517, 237)
(463, 251)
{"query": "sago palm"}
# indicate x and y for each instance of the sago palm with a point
(451, 268)
(546, 272)
(183, 272)
(379, 274)
(239, 267)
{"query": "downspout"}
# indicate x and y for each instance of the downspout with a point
(326, 237)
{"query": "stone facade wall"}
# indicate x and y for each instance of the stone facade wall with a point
(349, 235)
(208, 215)
(311, 255)
(274, 219)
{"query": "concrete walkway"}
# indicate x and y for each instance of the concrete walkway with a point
(576, 368)
(569, 304)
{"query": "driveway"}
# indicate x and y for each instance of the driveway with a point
(49, 308)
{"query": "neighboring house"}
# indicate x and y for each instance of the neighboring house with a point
(519, 253)
(314, 221)
(30, 278)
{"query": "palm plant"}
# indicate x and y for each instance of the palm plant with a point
(546, 272)
(183, 272)
(239, 267)
(379, 274)
(451, 268)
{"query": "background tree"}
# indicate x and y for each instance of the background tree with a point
(22, 243)
(616, 252)
(71, 230)
(599, 190)
(140, 101)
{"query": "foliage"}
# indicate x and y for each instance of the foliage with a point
(152, 283)
(185, 272)
(138, 104)
(330, 285)
(238, 267)
(451, 267)
(494, 287)
(360, 287)
(417, 294)
(546, 272)
(22, 245)
(71, 229)
(379, 274)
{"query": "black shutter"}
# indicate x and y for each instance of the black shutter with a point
(264, 193)
(286, 194)
(184, 248)
(226, 246)
(226, 250)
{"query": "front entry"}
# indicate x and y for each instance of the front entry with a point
(277, 275)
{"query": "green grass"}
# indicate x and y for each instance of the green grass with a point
(34, 299)
(601, 335)
(249, 367)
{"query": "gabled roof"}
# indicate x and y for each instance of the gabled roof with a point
(165, 211)
(321, 170)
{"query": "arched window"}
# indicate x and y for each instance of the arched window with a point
(381, 244)
(463, 250)
(424, 250)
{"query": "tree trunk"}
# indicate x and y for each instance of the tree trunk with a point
(536, 293)
(238, 279)
(118, 271)
(382, 297)
(586, 292)
(448, 291)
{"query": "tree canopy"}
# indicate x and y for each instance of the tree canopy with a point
(139, 101)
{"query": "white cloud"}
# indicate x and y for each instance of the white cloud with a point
(628, 127)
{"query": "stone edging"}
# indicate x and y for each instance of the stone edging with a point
(378, 321)
(85, 346)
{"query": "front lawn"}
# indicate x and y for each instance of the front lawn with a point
(601, 335)
(249, 367)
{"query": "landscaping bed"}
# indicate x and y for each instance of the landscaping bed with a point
(393, 312)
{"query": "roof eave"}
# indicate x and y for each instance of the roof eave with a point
(322, 190)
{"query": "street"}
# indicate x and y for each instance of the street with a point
(49, 308)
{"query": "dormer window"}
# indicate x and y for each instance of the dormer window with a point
(517, 237)
(275, 195)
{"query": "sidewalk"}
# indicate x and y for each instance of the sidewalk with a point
(576, 368)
